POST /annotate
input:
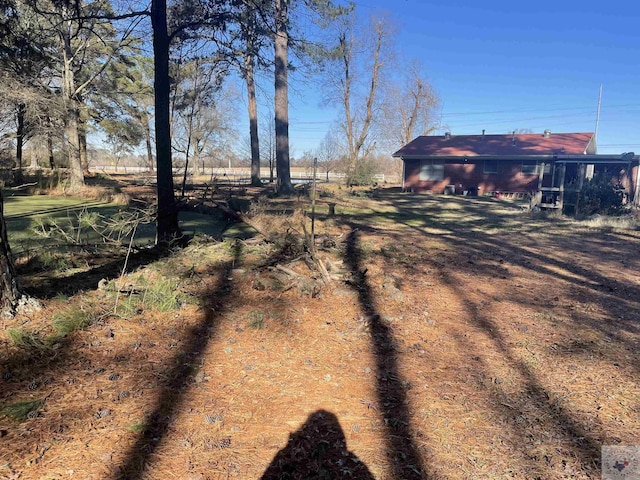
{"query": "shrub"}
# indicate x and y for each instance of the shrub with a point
(599, 195)
(363, 174)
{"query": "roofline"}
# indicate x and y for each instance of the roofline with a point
(596, 158)
(592, 140)
(455, 157)
(560, 158)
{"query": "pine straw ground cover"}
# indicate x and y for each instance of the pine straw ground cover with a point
(457, 338)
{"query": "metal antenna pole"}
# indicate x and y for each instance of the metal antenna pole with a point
(595, 135)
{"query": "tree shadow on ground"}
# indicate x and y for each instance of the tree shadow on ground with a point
(471, 236)
(43, 360)
(401, 450)
(171, 397)
(471, 239)
(553, 416)
(318, 450)
(38, 366)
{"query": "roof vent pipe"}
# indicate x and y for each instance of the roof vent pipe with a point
(483, 133)
(547, 133)
(513, 138)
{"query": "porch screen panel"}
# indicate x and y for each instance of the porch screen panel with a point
(490, 166)
(431, 170)
(530, 167)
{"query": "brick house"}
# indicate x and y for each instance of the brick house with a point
(543, 165)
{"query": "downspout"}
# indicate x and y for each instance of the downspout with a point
(636, 193)
(538, 198)
(403, 164)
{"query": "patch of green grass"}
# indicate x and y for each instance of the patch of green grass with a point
(256, 320)
(159, 293)
(24, 339)
(18, 205)
(212, 225)
(25, 214)
(61, 297)
(162, 295)
(126, 307)
(72, 319)
(389, 250)
(138, 427)
(21, 411)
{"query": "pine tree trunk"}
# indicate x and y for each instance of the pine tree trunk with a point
(167, 223)
(252, 106)
(143, 118)
(52, 162)
(72, 118)
(20, 134)
(8, 282)
(281, 44)
(82, 144)
(271, 169)
(149, 150)
(76, 179)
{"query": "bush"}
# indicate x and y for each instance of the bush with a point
(599, 195)
(363, 174)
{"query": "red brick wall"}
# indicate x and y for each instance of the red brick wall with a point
(508, 179)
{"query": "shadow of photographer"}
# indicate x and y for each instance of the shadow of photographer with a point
(317, 450)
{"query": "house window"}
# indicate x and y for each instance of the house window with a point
(530, 167)
(431, 170)
(490, 166)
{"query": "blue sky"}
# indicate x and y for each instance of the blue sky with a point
(505, 65)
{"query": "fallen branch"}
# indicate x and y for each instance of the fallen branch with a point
(315, 260)
(323, 270)
(286, 270)
(243, 218)
(23, 186)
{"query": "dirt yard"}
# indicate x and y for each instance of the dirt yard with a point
(457, 338)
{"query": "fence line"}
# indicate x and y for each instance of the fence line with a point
(241, 173)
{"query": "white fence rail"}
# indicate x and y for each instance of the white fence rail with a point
(239, 174)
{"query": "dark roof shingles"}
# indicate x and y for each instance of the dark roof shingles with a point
(497, 145)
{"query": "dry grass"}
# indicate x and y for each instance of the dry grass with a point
(478, 342)
(619, 224)
(97, 193)
(57, 185)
